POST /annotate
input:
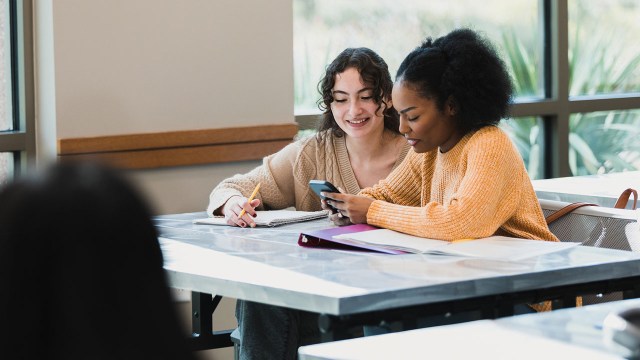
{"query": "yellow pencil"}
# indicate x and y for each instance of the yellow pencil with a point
(253, 194)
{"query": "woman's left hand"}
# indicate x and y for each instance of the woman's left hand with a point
(353, 207)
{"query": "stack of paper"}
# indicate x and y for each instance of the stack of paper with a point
(270, 218)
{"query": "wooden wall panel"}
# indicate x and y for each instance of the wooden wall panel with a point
(179, 148)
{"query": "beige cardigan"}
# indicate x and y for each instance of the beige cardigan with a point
(285, 175)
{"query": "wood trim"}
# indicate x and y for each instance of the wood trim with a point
(198, 155)
(180, 148)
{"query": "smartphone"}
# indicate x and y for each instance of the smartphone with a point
(319, 186)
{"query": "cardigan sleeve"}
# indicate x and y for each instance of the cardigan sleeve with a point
(275, 176)
(488, 195)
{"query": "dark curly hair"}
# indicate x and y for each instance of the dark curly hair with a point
(464, 68)
(374, 72)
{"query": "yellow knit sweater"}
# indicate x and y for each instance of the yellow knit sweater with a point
(477, 189)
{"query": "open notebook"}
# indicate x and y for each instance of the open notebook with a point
(393, 242)
(270, 218)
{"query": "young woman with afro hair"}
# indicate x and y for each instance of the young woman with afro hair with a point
(464, 178)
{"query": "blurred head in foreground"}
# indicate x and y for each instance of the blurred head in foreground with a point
(81, 270)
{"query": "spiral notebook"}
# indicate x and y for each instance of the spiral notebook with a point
(270, 218)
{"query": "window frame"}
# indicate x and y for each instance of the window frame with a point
(21, 141)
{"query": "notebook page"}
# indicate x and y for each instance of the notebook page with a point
(270, 217)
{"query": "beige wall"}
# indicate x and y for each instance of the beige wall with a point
(107, 67)
(130, 66)
(136, 66)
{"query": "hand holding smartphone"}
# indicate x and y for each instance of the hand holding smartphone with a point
(319, 186)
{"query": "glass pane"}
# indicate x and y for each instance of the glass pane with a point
(6, 168)
(6, 122)
(392, 28)
(604, 142)
(526, 133)
(604, 51)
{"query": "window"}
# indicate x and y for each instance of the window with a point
(6, 124)
(5, 73)
(323, 28)
(606, 60)
(6, 167)
(17, 136)
(569, 59)
(604, 141)
(604, 75)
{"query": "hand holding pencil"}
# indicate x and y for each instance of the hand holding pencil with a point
(236, 208)
(253, 194)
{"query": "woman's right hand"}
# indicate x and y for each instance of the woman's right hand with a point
(234, 206)
(335, 216)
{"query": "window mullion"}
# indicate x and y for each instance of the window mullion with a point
(556, 20)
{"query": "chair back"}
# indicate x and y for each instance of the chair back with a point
(595, 226)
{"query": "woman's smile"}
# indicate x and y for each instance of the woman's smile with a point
(359, 122)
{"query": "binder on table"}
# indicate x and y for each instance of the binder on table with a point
(367, 237)
(327, 238)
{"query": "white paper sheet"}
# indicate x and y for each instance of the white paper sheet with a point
(495, 247)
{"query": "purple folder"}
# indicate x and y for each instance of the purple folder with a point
(324, 239)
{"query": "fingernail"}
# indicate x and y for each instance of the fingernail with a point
(243, 224)
(253, 225)
(254, 215)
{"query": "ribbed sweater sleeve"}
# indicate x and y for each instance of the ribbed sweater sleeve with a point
(276, 178)
(477, 189)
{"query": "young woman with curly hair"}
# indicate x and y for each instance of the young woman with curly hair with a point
(357, 144)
